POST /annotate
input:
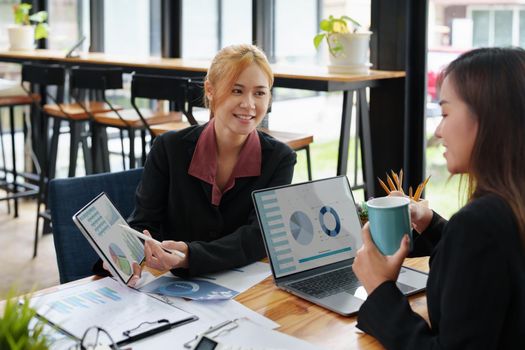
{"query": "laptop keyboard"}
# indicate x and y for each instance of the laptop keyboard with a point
(330, 283)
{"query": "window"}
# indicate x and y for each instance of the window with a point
(502, 28)
(65, 23)
(294, 33)
(236, 22)
(127, 28)
(480, 21)
(497, 25)
(209, 25)
(200, 35)
(6, 19)
(522, 28)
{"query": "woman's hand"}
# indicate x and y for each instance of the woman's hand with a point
(157, 258)
(420, 215)
(137, 272)
(373, 268)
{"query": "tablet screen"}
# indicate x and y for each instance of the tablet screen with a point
(99, 221)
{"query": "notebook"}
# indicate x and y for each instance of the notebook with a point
(311, 232)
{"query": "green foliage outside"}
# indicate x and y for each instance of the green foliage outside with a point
(14, 326)
(441, 191)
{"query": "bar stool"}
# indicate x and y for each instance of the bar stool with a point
(151, 87)
(88, 89)
(76, 115)
(13, 95)
(44, 78)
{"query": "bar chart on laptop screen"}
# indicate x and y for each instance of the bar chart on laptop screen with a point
(308, 225)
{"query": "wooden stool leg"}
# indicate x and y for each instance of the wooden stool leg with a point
(104, 150)
(88, 160)
(143, 138)
(35, 246)
(98, 149)
(131, 135)
(74, 144)
(13, 153)
(308, 163)
(122, 151)
(4, 165)
(41, 193)
(53, 150)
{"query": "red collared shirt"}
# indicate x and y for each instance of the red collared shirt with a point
(204, 162)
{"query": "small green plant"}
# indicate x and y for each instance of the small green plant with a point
(362, 211)
(22, 17)
(15, 333)
(332, 26)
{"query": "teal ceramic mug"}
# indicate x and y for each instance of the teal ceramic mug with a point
(389, 219)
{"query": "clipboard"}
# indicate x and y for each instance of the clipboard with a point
(126, 314)
(163, 325)
(243, 333)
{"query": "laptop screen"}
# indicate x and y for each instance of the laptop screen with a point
(308, 225)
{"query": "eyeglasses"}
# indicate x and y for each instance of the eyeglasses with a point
(93, 337)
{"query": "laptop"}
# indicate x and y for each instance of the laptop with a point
(312, 232)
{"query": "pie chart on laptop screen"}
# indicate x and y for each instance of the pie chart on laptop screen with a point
(301, 228)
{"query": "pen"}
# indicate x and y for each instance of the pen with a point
(148, 238)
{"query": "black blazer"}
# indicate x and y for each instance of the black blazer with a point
(173, 205)
(475, 289)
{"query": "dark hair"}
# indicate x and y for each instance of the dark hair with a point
(491, 81)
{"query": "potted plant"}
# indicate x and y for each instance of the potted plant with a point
(23, 34)
(16, 332)
(362, 212)
(347, 45)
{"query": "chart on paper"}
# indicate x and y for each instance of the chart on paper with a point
(104, 303)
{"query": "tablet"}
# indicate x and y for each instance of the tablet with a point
(99, 222)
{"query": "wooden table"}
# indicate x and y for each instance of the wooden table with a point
(315, 324)
(312, 77)
(305, 320)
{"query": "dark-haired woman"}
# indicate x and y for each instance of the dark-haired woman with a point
(476, 284)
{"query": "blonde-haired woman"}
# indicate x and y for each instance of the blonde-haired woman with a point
(195, 194)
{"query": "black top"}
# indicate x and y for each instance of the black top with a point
(475, 289)
(173, 205)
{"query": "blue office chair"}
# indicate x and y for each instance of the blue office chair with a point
(75, 257)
